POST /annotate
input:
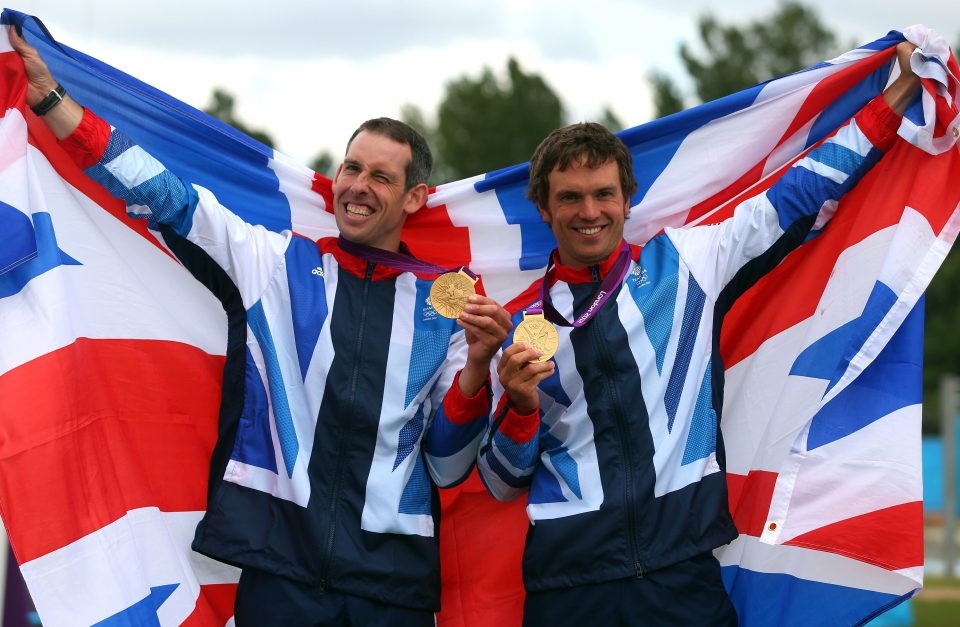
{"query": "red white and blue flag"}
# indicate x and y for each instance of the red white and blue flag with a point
(111, 354)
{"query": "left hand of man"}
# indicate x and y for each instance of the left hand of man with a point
(486, 325)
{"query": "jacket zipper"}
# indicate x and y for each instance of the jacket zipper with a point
(625, 454)
(335, 493)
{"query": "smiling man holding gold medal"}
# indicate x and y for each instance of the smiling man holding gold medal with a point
(608, 409)
(353, 399)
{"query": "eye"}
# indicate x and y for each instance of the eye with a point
(605, 194)
(351, 167)
(383, 178)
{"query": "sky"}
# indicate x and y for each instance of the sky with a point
(309, 73)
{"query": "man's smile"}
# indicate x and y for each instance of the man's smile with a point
(588, 230)
(355, 209)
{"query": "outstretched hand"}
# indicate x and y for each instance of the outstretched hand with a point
(39, 79)
(902, 91)
(62, 119)
(486, 325)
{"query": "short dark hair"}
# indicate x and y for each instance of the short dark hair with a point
(421, 160)
(586, 143)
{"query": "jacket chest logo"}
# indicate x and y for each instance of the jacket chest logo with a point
(639, 277)
(428, 312)
(318, 271)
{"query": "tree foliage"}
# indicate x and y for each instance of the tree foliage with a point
(609, 119)
(941, 346)
(484, 124)
(667, 98)
(489, 122)
(221, 107)
(323, 163)
(736, 57)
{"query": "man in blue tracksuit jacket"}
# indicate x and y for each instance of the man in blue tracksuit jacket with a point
(336, 423)
(616, 439)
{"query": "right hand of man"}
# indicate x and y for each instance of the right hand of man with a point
(40, 81)
(64, 118)
(520, 374)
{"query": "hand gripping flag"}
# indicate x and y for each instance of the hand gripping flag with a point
(112, 354)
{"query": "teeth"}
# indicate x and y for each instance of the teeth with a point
(358, 210)
(589, 230)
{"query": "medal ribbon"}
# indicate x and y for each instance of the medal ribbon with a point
(607, 286)
(403, 261)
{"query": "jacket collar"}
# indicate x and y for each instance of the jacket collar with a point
(356, 265)
(588, 274)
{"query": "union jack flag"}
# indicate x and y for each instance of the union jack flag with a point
(112, 353)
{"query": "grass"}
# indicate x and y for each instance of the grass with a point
(938, 612)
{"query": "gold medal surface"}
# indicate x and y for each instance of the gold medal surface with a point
(450, 292)
(539, 333)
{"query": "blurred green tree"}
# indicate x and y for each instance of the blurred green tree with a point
(609, 119)
(323, 164)
(941, 346)
(489, 122)
(492, 121)
(221, 107)
(736, 57)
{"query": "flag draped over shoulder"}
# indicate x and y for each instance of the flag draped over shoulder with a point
(111, 354)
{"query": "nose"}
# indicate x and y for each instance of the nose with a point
(359, 184)
(590, 209)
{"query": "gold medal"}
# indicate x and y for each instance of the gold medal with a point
(539, 333)
(450, 292)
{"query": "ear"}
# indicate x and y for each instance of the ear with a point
(626, 209)
(337, 175)
(544, 214)
(416, 197)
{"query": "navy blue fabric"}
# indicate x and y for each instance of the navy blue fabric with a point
(630, 532)
(323, 545)
(688, 593)
(265, 600)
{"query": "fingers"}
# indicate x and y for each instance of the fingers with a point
(518, 353)
(905, 47)
(519, 364)
(483, 329)
(904, 52)
(39, 79)
(899, 94)
(485, 307)
(520, 375)
(20, 44)
(485, 322)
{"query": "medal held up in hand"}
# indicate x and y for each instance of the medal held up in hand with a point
(538, 333)
(537, 328)
(450, 292)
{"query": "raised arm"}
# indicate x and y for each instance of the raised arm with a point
(249, 254)
(454, 433)
(805, 197)
(899, 94)
(65, 114)
(511, 451)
